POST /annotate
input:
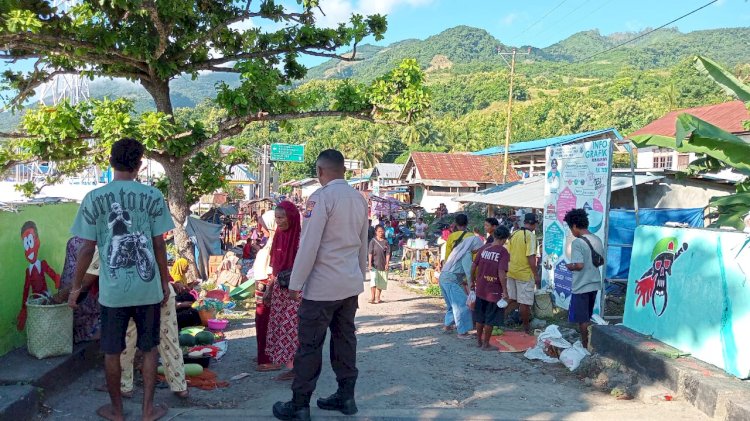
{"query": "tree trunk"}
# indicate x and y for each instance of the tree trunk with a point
(160, 93)
(180, 210)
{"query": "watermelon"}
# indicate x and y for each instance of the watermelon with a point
(204, 338)
(187, 340)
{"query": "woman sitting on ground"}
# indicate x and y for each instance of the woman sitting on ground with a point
(282, 326)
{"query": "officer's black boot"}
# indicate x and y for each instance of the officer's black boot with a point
(342, 400)
(298, 409)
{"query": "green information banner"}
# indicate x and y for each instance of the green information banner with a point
(287, 152)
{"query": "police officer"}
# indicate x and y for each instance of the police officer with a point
(329, 271)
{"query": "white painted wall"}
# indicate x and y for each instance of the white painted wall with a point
(430, 203)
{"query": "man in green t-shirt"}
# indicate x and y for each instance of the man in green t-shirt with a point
(522, 271)
(126, 220)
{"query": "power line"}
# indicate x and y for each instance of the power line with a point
(554, 25)
(542, 18)
(645, 34)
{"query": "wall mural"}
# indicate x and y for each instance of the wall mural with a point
(690, 289)
(33, 244)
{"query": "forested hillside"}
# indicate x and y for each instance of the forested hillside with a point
(555, 93)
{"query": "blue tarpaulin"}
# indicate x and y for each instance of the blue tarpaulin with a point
(622, 232)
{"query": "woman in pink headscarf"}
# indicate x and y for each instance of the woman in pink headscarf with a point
(282, 326)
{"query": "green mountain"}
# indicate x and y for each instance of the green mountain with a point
(464, 48)
(467, 74)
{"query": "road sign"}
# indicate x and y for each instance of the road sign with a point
(286, 152)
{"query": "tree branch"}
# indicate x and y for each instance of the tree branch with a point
(161, 29)
(235, 126)
(13, 135)
(30, 41)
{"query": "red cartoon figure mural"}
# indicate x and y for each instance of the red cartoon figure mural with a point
(35, 282)
(653, 284)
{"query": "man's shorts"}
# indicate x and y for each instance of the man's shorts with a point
(581, 307)
(115, 325)
(521, 291)
(488, 313)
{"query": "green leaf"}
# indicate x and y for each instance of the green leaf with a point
(724, 78)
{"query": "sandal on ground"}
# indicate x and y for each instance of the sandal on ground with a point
(464, 336)
(268, 367)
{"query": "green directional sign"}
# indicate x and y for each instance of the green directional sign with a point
(287, 152)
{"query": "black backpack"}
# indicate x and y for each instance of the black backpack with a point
(596, 258)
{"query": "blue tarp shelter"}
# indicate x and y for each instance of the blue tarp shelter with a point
(622, 232)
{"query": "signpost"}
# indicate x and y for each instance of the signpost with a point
(287, 152)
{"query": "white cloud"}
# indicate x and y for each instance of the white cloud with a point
(508, 19)
(242, 25)
(338, 11)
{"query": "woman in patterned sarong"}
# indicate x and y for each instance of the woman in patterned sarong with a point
(282, 326)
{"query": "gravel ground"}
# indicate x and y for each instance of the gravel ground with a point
(409, 369)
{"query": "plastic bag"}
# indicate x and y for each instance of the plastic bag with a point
(573, 356)
(471, 299)
(551, 337)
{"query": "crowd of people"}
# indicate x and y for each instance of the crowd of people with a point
(487, 276)
(310, 266)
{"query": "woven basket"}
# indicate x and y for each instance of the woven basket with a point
(49, 328)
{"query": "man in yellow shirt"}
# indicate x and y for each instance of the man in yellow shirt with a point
(460, 234)
(522, 271)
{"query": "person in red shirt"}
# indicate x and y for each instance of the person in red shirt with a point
(488, 279)
(35, 282)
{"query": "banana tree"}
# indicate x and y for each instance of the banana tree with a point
(717, 148)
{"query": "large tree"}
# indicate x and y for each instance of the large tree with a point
(152, 42)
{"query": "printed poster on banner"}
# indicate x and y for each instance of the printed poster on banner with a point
(577, 176)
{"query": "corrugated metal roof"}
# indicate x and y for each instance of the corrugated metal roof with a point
(460, 167)
(728, 116)
(529, 192)
(542, 144)
(241, 175)
(386, 170)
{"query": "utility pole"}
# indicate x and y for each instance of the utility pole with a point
(512, 65)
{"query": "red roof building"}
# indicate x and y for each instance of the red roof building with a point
(728, 116)
(435, 178)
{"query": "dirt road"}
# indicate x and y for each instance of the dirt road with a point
(409, 369)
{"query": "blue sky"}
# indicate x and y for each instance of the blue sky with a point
(529, 22)
(540, 22)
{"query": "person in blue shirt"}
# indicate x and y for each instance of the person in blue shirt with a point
(126, 220)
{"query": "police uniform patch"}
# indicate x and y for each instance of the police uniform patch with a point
(309, 208)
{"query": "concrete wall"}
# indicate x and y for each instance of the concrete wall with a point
(704, 308)
(53, 225)
(670, 193)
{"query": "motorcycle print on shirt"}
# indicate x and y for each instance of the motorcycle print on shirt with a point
(127, 250)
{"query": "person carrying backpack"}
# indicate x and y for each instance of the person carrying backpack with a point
(586, 260)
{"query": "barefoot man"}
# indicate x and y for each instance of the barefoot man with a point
(126, 220)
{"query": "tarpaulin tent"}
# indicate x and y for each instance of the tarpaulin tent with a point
(207, 239)
(622, 232)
